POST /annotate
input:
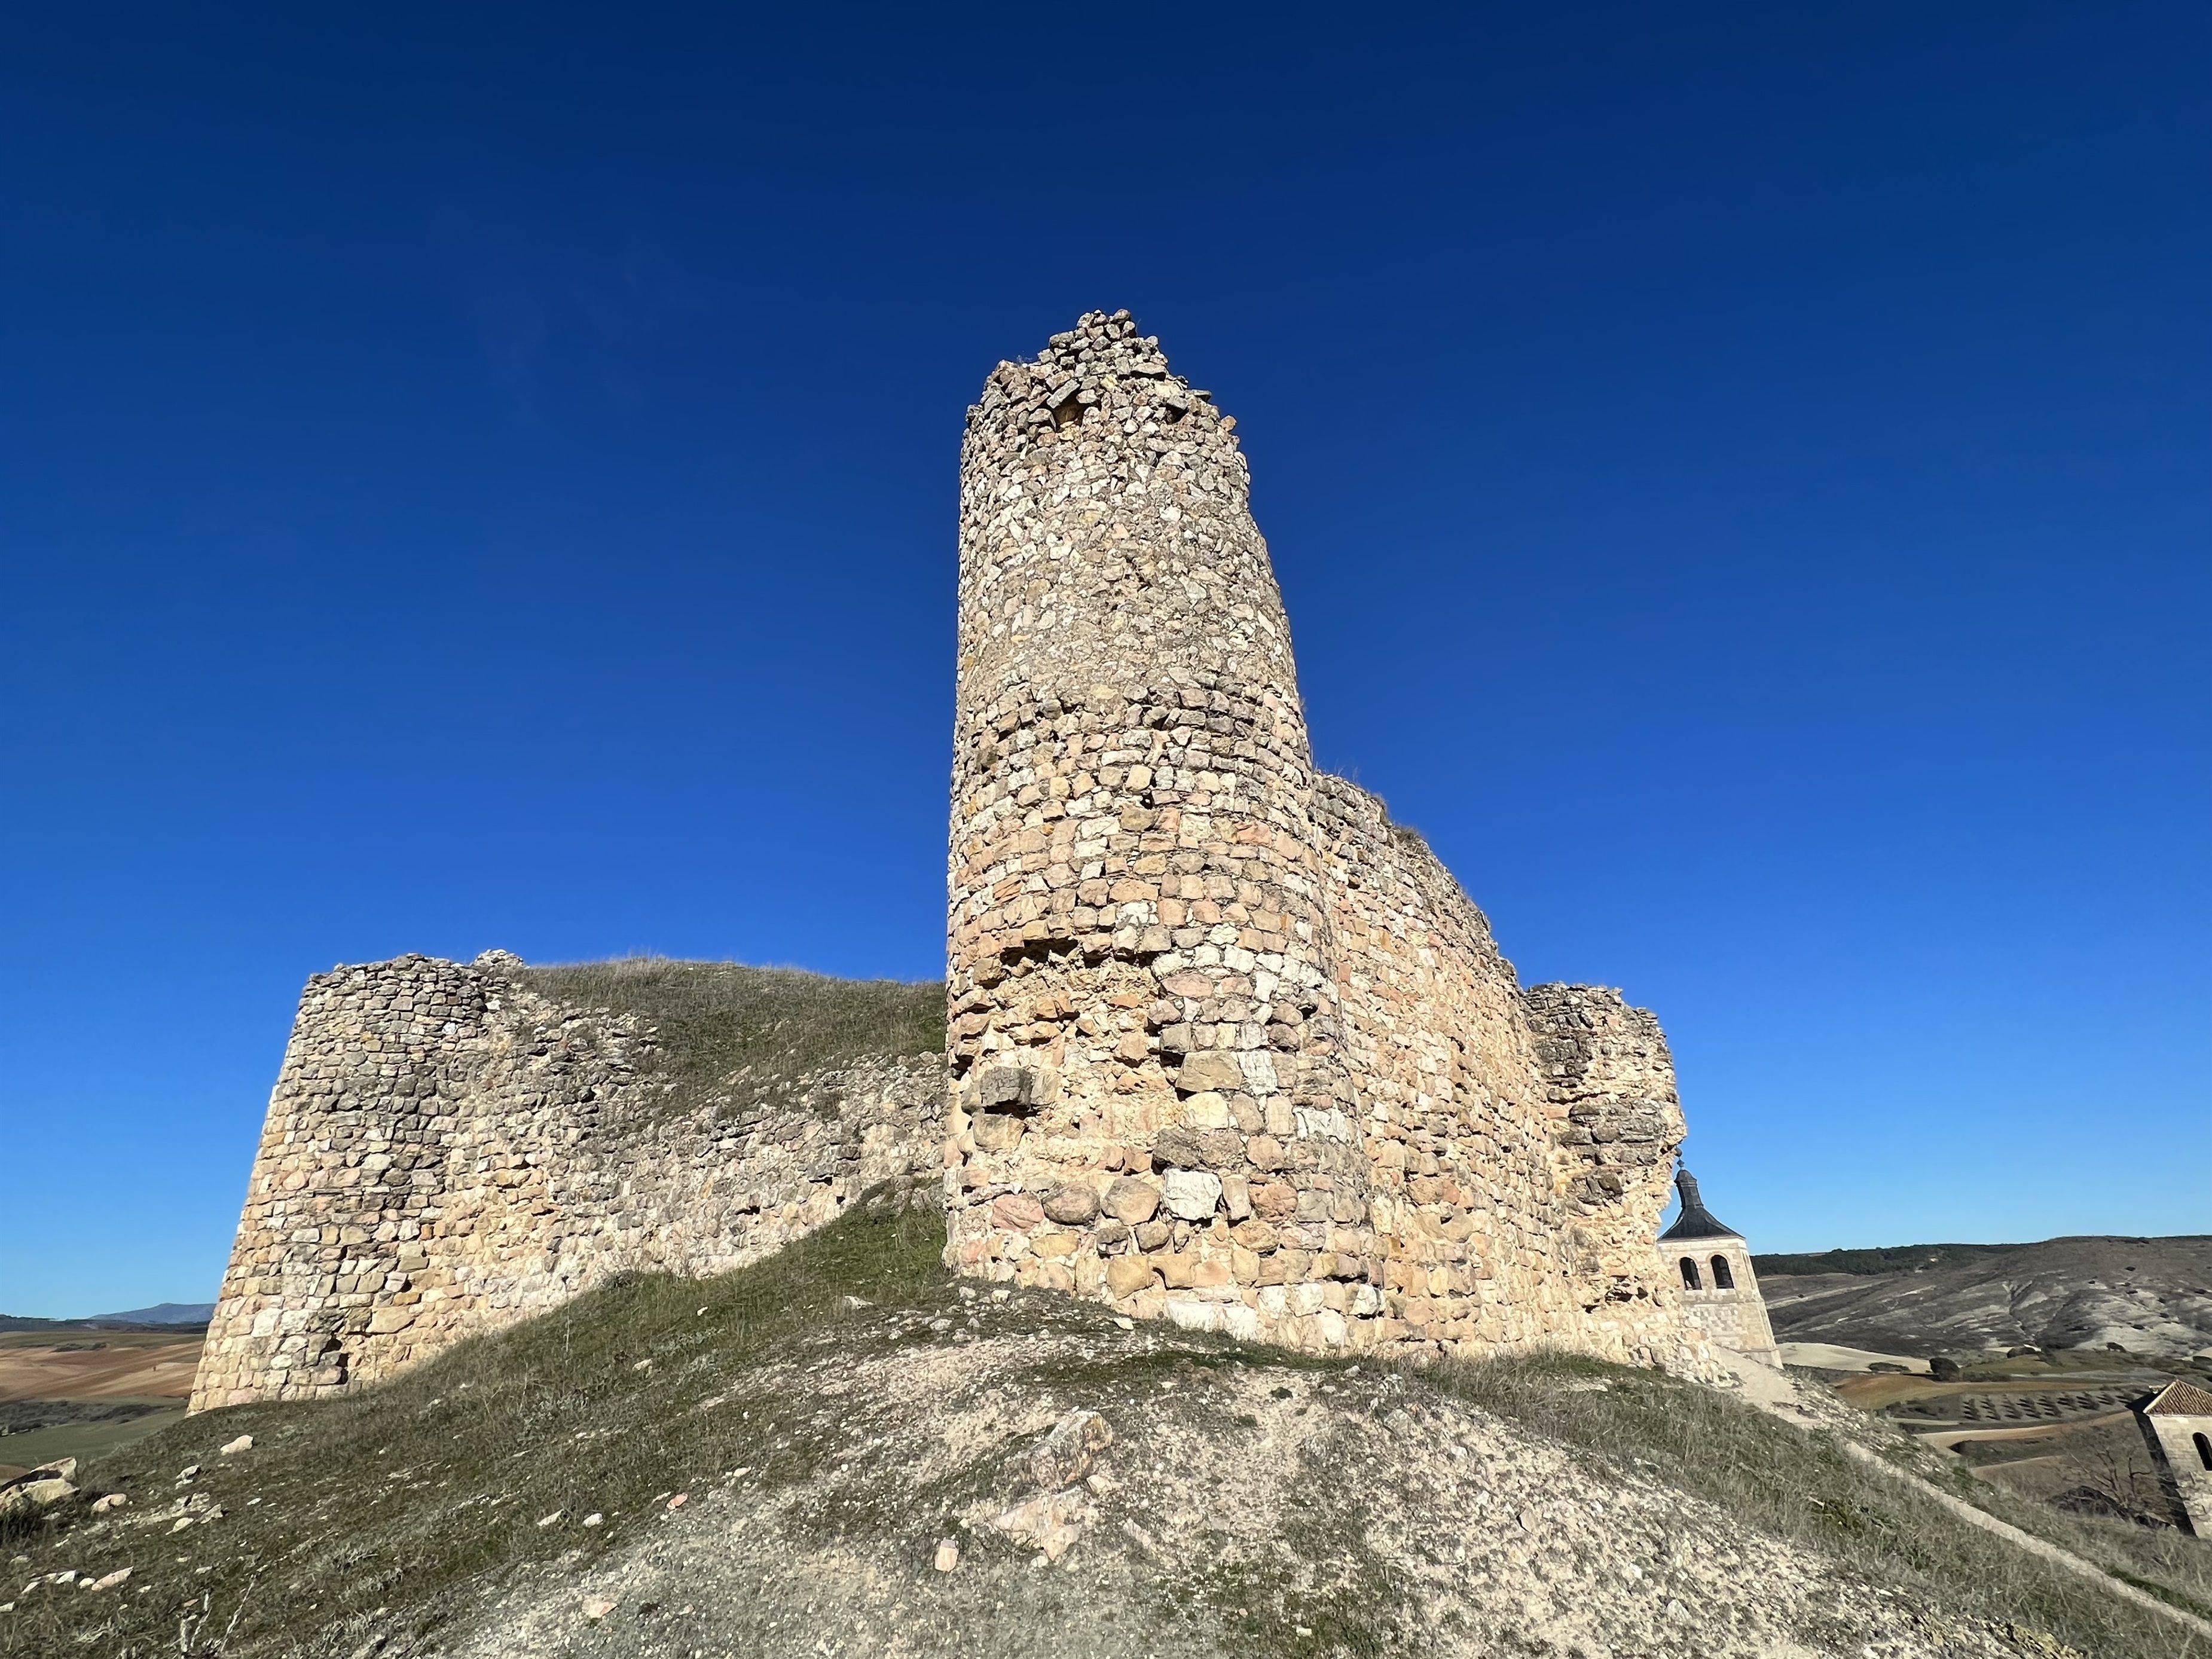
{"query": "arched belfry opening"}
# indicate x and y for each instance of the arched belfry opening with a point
(1720, 1293)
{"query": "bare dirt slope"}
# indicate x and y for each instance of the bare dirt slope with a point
(834, 1416)
(2150, 1297)
(1244, 1506)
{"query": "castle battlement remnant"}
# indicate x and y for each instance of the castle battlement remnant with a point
(450, 1148)
(1226, 1044)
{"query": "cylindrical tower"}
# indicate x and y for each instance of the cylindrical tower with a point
(1150, 1100)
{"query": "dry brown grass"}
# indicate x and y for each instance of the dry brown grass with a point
(1801, 1485)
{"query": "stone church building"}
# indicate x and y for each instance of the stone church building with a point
(1711, 1264)
(2177, 1421)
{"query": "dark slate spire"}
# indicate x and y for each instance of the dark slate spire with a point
(1696, 1221)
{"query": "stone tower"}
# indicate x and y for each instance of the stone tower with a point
(1720, 1292)
(1138, 931)
(1226, 1044)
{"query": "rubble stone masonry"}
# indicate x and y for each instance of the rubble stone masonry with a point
(1226, 1045)
(447, 1150)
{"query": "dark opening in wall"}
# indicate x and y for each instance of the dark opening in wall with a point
(1066, 413)
(2203, 1450)
(1690, 1279)
(1723, 1279)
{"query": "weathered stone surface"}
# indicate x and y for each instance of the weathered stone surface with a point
(1017, 1212)
(1065, 1455)
(1074, 1205)
(1131, 1201)
(1235, 970)
(448, 1150)
(1192, 1194)
(1211, 1070)
(28, 1497)
(1048, 1524)
(1125, 1275)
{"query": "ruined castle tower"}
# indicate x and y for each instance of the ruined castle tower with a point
(1138, 936)
(1226, 1044)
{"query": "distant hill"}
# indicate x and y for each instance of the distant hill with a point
(1881, 1259)
(164, 1315)
(2151, 1297)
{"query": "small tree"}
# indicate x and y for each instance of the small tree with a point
(2118, 1473)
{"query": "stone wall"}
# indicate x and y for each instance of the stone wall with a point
(447, 1150)
(1521, 1141)
(2177, 1422)
(1226, 1044)
(1610, 1082)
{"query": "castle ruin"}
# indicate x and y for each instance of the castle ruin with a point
(1227, 1045)
(1224, 1044)
(449, 1148)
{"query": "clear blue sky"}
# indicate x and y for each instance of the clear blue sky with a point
(481, 477)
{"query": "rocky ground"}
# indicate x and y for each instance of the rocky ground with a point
(842, 1451)
(1237, 1504)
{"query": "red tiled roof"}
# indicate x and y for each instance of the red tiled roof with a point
(2180, 1400)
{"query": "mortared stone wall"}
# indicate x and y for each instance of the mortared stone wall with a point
(446, 1151)
(1226, 1045)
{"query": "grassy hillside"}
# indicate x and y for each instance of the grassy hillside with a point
(717, 1020)
(385, 1522)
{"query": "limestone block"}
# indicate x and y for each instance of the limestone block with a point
(1214, 1069)
(1194, 1196)
(1074, 1204)
(1131, 1201)
(1017, 1212)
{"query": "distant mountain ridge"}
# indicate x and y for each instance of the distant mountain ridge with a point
(163, 1314)
(1881, 1258)
(2150, 1297)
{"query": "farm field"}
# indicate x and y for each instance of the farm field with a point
(70, 1391)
